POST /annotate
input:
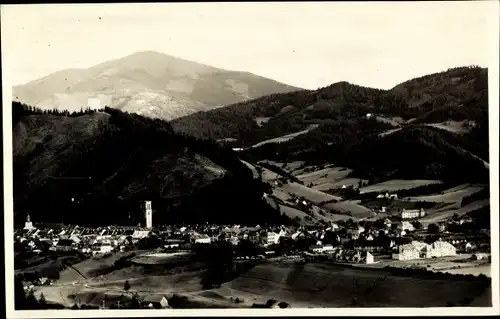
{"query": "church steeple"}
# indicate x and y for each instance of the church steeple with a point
(28, 225)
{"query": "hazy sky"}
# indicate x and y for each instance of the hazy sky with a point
(303, 44)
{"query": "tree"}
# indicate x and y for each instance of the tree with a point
(42, 300)
(19, 295)
(417, 225)
(126, 286)
(31, 300)
(433, 229)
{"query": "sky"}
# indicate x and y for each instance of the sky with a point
(308, 45)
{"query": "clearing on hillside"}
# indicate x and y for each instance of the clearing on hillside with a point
(284, 138)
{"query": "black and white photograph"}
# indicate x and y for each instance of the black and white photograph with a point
(248, 158)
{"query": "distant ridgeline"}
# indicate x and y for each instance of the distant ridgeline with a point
(432, 127)
(94, 167)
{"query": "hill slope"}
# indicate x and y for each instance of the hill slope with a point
(96, 168)
(403, 131)
(148, 83)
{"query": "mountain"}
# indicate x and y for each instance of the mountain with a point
(95, 168)
(148, 83)
(428, 127)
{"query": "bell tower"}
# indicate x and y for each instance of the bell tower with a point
(149, 215)
(28, 224)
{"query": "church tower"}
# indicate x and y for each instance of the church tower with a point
(149, 215)
(28, 224)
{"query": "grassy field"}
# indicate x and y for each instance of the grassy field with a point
(396, 184)
(339, 183)
(394, 121)
(324, 175)
(456, 127)
(310, 194)
(350, 207)
(476, 271)
(389, 132)
(454, 194)
(284, 138)
(323, 285)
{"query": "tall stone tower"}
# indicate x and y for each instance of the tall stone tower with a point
(149, 215)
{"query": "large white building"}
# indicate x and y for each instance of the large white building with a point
(417, 250)
(412, 213)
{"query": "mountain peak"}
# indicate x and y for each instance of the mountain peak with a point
(147, 82)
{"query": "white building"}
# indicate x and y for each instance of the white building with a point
(272, 238)
(203, 240)
(28, 225)
(101, 248)
(369, 258)
(412, 213)
(406, 225)
(440, 249)
(138, 234)
(149, 215)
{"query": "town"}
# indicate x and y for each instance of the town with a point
(389, 242)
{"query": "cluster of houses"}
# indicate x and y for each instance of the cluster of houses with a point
(104, 240)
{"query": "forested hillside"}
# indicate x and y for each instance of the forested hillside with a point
(95, 167)
(428, 127)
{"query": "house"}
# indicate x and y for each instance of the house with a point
(316, 248)
(319, 249)
(440, 248)
(407, 252)
(203, 240)
(465, 220)
(412, 213)
(254, 237)
(272, 238)
(298, 235)
(442, 226)
(101, 248)
(155, 301)
(369, 259)
(139, 234)
(28, 285)
(271, 303)
(406, 225)
(65, 245)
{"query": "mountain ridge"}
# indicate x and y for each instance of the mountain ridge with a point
(147, 82)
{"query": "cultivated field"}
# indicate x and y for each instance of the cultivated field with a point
(325, 285)
(339, 183)
(451, 195)
(324, 175)
(397, 184)
(310, 194)
(350, 207)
